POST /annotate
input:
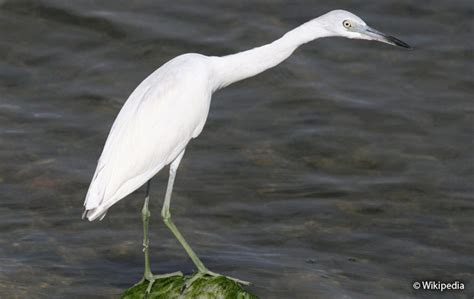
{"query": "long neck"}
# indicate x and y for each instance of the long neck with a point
(232, 68)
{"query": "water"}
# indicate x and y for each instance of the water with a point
(346, 172)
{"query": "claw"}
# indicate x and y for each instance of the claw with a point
(150, 284)
(152, 278)
(213, 274)
(195, 277)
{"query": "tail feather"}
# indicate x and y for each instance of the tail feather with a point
(93, 214)
(98, 201)
(97, 205)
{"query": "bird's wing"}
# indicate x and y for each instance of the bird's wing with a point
(152, 128)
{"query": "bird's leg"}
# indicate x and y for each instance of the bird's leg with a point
(165, 213)
(147, 275)
(146, 242)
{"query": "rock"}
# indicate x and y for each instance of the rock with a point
(205, 287)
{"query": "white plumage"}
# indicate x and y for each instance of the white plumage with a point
(153, 127)
(170, 107)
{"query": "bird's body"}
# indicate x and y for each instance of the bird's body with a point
(165, 112)
(147, 134)
(170, 107)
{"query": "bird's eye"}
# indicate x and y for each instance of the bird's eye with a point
(347, 24)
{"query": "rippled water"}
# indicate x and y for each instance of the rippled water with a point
(346, 172)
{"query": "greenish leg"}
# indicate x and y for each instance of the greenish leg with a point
(146, 242)
(165, 213)
(147, 275)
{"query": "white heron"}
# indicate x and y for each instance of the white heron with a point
(170, 107)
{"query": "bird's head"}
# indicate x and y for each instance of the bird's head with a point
(346, 24)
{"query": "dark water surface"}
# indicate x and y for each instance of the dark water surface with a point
(346, 172)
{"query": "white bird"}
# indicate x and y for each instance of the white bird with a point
(170, 107)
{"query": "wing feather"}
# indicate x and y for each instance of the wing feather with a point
(152, 128)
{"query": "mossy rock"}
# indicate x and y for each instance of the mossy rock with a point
(204, 287)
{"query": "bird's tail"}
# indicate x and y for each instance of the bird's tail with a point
(94, 203)
(93, 214)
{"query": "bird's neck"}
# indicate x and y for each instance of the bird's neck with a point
(232, 68)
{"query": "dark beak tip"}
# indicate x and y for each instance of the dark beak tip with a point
(387, 38)
(398, 42)
(405, 45)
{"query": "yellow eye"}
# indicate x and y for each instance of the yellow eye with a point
(347, 24)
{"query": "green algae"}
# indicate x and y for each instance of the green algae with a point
(202, 287)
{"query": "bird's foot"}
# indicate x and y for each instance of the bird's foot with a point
(213, 274)
(152, 278)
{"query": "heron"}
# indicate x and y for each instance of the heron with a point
(170, 107)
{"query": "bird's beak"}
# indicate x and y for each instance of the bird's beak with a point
(384, 38)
